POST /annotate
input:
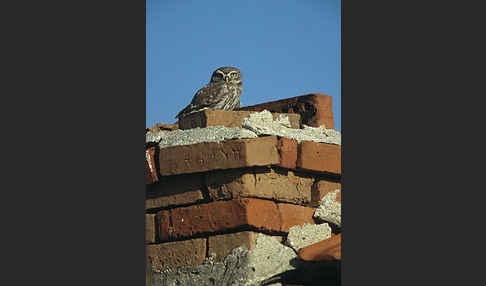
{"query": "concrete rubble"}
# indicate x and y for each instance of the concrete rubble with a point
(262, 123)
(269, 258)
(307, 234)
(329, 209)
(154, 137)
(198, 135)
(256, 124)
(241, 267)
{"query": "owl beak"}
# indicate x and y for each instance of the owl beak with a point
(227, 79)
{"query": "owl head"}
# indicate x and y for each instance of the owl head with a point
(230, 75)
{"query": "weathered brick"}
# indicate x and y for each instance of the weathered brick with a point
(150, 167)
(150, 230)
(224, 215)
(260, 182)
(314, 109)
(210, 117)
(164, 226)
(179, 253)
(218, 155)
(287, 149)
(175, 190)
(329, 249)
(228, 215)
(292, 215)
(223, 244)
(322, 188)
(285, 185)
(319, 157)
(148, 175)
(230, 184)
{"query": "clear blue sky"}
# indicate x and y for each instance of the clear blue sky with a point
(283, 48)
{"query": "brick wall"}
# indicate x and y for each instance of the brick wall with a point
(215, 196)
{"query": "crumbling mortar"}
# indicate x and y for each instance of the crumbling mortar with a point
(258, 124)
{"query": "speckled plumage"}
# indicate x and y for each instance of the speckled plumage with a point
(222, 92)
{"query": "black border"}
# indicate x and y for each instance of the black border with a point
(75, 166)
(407, 217)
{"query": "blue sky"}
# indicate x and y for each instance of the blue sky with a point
(283, 48)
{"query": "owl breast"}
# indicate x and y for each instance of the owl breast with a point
(228, 97)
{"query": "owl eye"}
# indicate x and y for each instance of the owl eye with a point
(235, 75)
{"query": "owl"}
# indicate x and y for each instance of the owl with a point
(222, 92)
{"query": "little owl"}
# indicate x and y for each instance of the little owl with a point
(222, 92)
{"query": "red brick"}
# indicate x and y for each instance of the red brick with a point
(175, 190)
(228, 215)
(224, 215)
(148, 175)
(210, 117)
(164, 226)
(287, 149)
(319, 157)
(314, 109)
(292, 215)
(150, 167)
(322, 188)
(179, 253)
(218, 155)
(329, 249)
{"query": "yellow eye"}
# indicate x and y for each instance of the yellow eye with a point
(234, 75)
